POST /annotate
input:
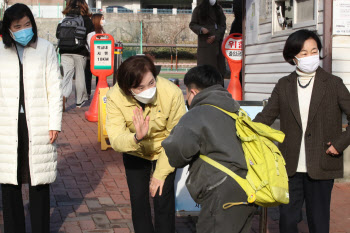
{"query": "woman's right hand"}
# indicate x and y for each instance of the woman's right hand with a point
(204, 31)
(141, 124)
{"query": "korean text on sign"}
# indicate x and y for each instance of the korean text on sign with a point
(234, 49)
(103, 54)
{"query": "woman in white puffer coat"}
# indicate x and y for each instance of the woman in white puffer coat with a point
(31, 114)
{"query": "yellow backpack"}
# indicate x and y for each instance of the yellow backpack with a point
(266, 183)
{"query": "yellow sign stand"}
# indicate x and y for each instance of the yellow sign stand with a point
(102, 133)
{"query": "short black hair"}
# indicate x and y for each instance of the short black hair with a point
(202, 76)
(16, 12)
(295, 43)
(131, 72)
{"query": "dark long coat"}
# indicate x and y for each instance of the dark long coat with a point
(210, 54)
(329, 99)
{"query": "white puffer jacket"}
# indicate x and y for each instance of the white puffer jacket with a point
(43, 105)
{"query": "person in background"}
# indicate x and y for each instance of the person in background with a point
(209, 23)
(74, 62)
(142, 109)
(236, 26)
(31, 103)
(98, 21)
(309, 103)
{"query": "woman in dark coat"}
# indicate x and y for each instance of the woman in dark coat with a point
(310, 103)
(209, 23)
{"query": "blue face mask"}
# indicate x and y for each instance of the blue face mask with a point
(23, 36)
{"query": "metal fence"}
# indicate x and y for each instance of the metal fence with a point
(150, 11)
(44, 11)
(1, 12)
(228, 11)
(184, 11)
(118, 10)
(145, 11)
(164, 11)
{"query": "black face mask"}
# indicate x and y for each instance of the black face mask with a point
(187, 105)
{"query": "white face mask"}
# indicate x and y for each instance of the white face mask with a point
(103, 22)
(146, 96)
(212, 2)
(308, 64)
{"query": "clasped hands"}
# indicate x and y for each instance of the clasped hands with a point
(210, 39)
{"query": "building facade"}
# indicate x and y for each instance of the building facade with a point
(267, 25)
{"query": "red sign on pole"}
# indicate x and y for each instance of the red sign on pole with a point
(232, 50)
(102, 65)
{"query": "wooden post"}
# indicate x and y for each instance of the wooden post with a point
(327, 34)
(243, 46)
(176, 59)
(171, 54)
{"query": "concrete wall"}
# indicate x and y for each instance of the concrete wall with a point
(168, 29)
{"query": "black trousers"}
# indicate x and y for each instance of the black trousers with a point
(39, 207)
(39, 196)
(236, 219)
(317, 197)
(138, 174)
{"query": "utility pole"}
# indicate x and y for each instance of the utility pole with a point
(327, 35)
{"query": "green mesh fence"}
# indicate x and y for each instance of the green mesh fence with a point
(130, 51)
(1, 12)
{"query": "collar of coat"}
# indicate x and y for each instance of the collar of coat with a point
(320, 74)
(31, 44)
(318, 91)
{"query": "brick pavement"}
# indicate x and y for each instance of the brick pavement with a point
(91, 194)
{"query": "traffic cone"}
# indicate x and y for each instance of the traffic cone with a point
(234, 86)
(92, 114)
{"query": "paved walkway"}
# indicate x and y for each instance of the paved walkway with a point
(91, 193)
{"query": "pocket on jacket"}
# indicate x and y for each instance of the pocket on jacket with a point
(129, 123)
(161, 121)
(329, 162)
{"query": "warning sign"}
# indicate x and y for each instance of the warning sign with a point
(233, 48)
(103, 55)
(102, 66)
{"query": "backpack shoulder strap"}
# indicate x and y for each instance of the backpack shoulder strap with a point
(222, 168)
(241, 182)
(231, 114)
(82, 19)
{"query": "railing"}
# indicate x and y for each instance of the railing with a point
(96, 10)
(109, 10)
(173, 65)
(164, 11)
(1, 12)
(119, 10)
(145, 11)
(184, 11)
(228, 11)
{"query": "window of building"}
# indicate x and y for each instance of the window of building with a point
(291, 14)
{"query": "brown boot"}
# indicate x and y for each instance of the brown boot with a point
(64, 103)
